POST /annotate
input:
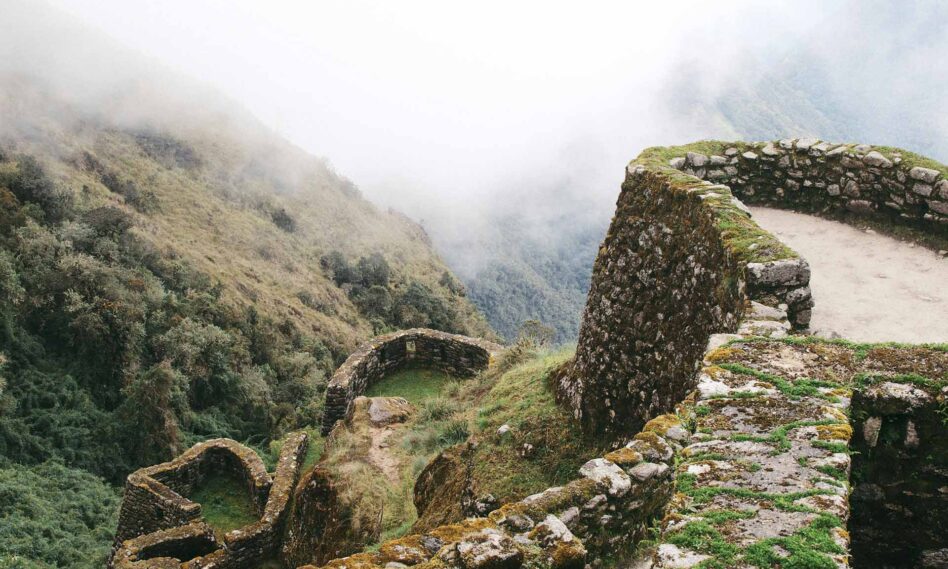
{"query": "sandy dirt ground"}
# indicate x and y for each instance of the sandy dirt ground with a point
(867, 287)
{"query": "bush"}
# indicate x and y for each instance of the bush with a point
(54, 516)
(453, 432)
(283, 220)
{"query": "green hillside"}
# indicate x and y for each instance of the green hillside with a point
(163, 283)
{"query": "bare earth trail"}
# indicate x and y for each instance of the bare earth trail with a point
(867, 287)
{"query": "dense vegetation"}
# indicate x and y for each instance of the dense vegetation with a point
(163, 286)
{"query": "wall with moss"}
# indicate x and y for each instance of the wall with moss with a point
(160, 528)
(459, 356)
(677, 265)
(603, 512)
(900, 470)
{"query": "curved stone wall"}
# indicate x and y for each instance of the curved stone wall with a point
(459, 356)
(678, 263)
(160, 528)
(822, 177)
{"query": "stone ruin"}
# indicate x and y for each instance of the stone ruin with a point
(738, 443)
(458, 356)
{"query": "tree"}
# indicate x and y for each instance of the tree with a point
(374, 270)
(536, 333)
(147, 415)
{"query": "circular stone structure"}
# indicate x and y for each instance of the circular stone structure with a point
(867, 287)
(459, 356)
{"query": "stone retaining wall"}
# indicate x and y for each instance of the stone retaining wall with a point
(900, 472)
(678, 262)
(604, 511)
(160, 528)
(459, 356)
(822, 177)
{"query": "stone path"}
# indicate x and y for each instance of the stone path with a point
(867, 287)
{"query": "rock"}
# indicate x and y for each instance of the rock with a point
(870, 430)
(806, 143)
(749, 155)
(942, 188)
(833, 189)
(489, 549)
(934, 559)
(891, 398)
(570, 516)
(911, 436)
(518, 522)
(607, 474)
(431, 544)
(874, 158)
(785, 143)
(677, 163)
(395, 565)
(731, 151)
(770, 150)
(859, 206)
(550, 531)
(718, 160)
(924, 174)
(388, 410)
(940, 207)
(923, 189)
(851, 189)
(862, 148)
(647, 470)
(696, 160)
(785, 272)
(503, 429)
(485, 505)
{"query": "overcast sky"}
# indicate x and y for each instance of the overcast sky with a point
(443, 108)
(446, 97)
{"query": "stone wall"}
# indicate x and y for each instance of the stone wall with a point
(900, 473)
(603, 512)
(155, 496)
(678, 262)
(459, 356)
(821, 177)
(160, 528)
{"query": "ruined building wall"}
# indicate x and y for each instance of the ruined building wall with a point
(160, 528)
(459, 356)
(671, 272)
(900, 473)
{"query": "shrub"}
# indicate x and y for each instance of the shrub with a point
(454, 432)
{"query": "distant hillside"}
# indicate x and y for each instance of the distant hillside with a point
(212, 255)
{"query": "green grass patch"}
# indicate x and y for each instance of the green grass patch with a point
(803, 387)
(225, 503)
(417, 385)
(523, 398)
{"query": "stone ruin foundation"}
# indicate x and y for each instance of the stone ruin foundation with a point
(738, 444)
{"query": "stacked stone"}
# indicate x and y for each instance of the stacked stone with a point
(664, 280)
(456, 355)
(816, 176)
(900, 500)
(154, 496)
(605, 511)
(766, 461)
(186, 542)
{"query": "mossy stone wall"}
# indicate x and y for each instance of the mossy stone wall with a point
(456, 355)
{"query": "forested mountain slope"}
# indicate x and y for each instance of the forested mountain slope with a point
(165, 281)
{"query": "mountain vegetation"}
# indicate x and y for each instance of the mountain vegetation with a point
(162, 284)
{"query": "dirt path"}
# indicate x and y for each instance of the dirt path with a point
(380, 455)
(867, 287)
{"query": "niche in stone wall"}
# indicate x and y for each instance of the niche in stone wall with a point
(899, 500)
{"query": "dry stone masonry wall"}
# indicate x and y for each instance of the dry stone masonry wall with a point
(677, 265)
(900, 471)
(160, 528)
(606, 510)
(817, 176)
(459, 356)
